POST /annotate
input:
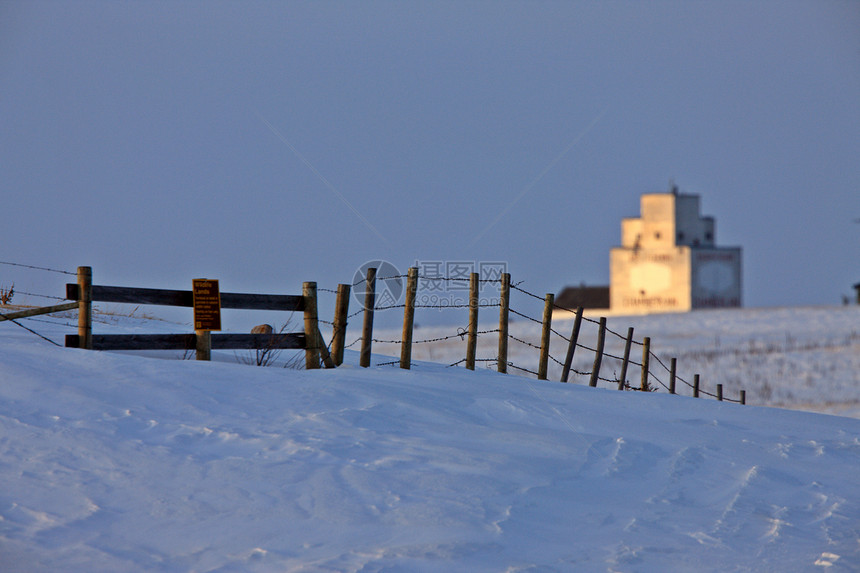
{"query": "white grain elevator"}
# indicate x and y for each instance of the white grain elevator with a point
(668, 260)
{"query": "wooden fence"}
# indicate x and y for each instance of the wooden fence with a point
(316, 351)
(201, 341)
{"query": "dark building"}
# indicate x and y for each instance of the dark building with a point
(584, 296)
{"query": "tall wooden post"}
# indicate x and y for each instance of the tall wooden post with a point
(646, 361)
(341, 310)
(695, 386)
(312, 337)
(472, 344)
(85, 307)
(504, 307)
(720, 392)
(408, 318)
(571, 347)
(743, 397)
(672, 373)
(549, 302)
(628, 343)
(369, 305)
(598, 353)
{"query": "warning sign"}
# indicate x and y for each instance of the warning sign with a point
(207, 304)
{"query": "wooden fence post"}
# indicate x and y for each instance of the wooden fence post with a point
(549, 301)
(571, 347)
(672, 370)
(341, 310)
(312, 338)
(628, 343)
(504, 306)
(598, 353)
(695, 386)
(720, 392)
(472, 344)
(646, 361)
(324, 353)
(85, 307)
(408, 318)
(204, 345)
(369, 305)
(743, 397)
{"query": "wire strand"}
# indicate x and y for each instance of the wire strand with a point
(36, 268)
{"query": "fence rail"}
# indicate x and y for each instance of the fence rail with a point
(37, 311)
(226, 341)
(166, 297)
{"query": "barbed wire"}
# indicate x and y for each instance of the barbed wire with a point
(40, 295)
(377, 279)
(52, 322)
(356, 313)
(521, 315)
(521, 341)
(37, 268)
(475, 360)
(14, 321)
(389, 307)
(461, 334)
(459, 305)
(521, 369)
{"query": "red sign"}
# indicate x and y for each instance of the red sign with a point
(207, 304)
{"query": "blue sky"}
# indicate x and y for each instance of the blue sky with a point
(266, 144)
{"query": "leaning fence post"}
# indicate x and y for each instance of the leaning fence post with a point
(549, 301)
(369, 304)
(472, 344)
(598, 353)
(695, 386)
(312, 338)
(408, 318)
(85, 307)
(646, 361)
(672, 366)
(341, 310)
(504, 306)
(571, 347)
(628, 343)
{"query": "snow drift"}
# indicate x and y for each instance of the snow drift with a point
(122, 463)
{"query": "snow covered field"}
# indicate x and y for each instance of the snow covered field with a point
(111, 462)
(805, 358)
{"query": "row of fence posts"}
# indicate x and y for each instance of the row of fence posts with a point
(502, 358)
(341, 317)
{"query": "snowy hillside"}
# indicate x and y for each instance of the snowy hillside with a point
(112, 462)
